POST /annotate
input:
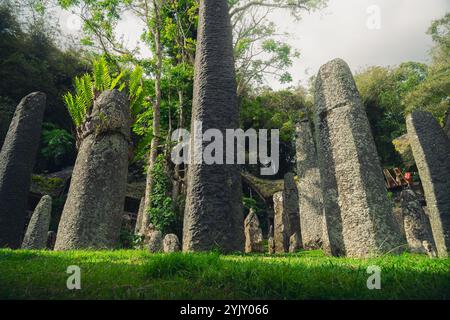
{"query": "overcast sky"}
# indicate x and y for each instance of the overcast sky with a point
(349, 29)
(362, 32)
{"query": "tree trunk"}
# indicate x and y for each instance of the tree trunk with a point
(156, 118)
(214, 216)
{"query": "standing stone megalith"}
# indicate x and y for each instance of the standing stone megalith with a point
(253, 233)
(214, 215)
(93, 211)
(37, 230)
(431, 149)
(139, 218)
(416, 224)
(291, 204)
(281, 230)
(309, 188)
(17, 159)
(358, 212)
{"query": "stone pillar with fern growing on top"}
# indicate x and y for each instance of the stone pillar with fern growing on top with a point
(101, 110)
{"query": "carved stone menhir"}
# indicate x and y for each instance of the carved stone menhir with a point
(253, 233)
(92, 214)
(309, 188)
(17, 159)
(37, 230)
(358, 212)
(416, 224)
(431, 149)
(214, 214)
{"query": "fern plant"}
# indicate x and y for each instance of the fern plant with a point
(89, 86)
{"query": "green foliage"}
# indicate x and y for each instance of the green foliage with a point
(249, 203)
(383, 91)
(162, 215)
(46, 185)
(433, 94)
(32, 60)
(137, 274)
(56, 143)
(276, 110)
(89, 86)
(389, 94)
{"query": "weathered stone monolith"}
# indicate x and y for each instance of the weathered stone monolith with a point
(271, 245)
(213, 214)
(294, 243)
(155, 241)
(309, 188)
(171, 243)
(416, 223)
(358, 212)
(93, 211)
(431, 149)
(17, 159)
(291, 204)
(36, 235)
(281, 230)
(253, 233)
(138, 226)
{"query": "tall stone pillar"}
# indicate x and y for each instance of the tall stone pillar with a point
(431, 149)
(93, 211)
(358, 212)
(17, 159)
(309, 188)
(213, 217)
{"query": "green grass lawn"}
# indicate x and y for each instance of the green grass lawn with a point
(134, 274)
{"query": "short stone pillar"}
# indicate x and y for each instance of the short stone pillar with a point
(291, 204)
(171, 243)
(253, 233)
(92, 214)
(431, 149)
(139, 218)
(358, 212)
(416, 224)
(155, 241)
(281, 224)
(17, 158)
(295, 243)
(37, 230)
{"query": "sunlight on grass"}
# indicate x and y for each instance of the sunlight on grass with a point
(137, 274)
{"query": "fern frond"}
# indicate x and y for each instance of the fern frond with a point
(116, 80)
(70, 104)
(102, 79)
(135, 81)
